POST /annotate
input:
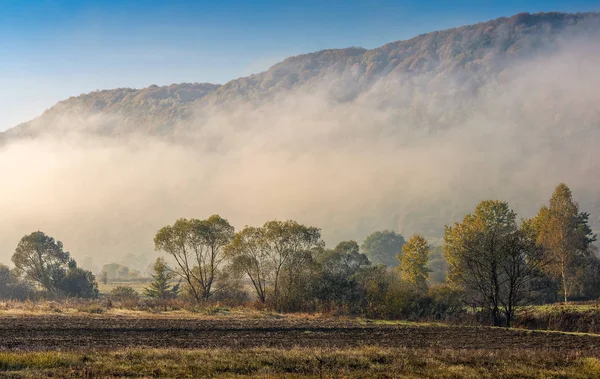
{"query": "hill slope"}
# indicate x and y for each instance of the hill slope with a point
(473, 54)
(409, 136)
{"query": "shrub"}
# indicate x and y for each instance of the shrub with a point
(92, 308)
(80, 283)
(446, 302)
(564, 318)
(124, 293)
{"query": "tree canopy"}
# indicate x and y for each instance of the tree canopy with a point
(337, 284)
(275, 256)
(565, 236)
(197, 247)
(42, 260)
(492, 259)
(383, 247)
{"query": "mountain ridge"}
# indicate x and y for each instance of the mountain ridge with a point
(408, 136)
(471, 48)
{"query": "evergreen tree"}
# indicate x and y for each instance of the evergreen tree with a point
(161, 287)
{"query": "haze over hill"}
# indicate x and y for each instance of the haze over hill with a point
(408, 136)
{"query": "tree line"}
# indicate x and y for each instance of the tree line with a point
(500, 264)
(494, 262)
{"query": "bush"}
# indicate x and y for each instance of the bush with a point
(232, 296)
(446, 302)
(80, 283)
(384, 295)
(124, 293)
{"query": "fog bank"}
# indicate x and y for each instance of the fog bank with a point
(410, 154)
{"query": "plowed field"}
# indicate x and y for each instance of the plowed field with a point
(77, 333)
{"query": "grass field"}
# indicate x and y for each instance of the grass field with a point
(583, 317)
(365, 362)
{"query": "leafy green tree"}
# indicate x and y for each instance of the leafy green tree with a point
(279, 249)
(336, 283)
(248, 257)
(123, 272)
(111, 270)
(41, 259)
(104, 277)
(344, 259)
(383, 294)
(413, 262)
(289, 246)
(566, 237)
(590, 279)
(383, 247)
(79, 282)
(6, 280)
(214, 233)
(197, 247)
(116, 271)
(161, 287)
(12, 287)
(492, 259)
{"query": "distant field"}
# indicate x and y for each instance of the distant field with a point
(559, 307)
(137, 285)
(109, 345)
(583, 317)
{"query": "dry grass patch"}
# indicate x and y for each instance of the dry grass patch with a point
(363, 362)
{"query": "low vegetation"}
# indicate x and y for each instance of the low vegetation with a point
(299, 362)
(583, 318)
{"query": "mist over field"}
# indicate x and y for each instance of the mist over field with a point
(411, 153)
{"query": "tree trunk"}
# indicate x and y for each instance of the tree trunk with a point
(509, 316)
(564, 283)
(496, 316)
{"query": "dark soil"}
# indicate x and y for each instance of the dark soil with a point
(60, 332)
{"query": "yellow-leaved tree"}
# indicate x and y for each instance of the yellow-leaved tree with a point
(413, 262)
(565, 237)
(492, 259)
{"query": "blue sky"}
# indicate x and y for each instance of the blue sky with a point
(53, 49)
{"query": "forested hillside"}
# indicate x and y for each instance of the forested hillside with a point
(470, 56)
